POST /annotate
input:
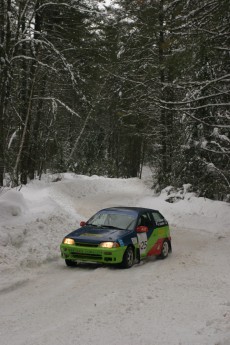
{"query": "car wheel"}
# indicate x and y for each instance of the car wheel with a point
(128, 258)
(164, 250)
(70, 263)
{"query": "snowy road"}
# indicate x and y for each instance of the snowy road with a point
(157, 302)
(183, 300)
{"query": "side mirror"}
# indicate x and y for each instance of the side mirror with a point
(141, 229)
(82, 223)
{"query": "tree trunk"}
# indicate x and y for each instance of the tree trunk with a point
(24, 137)
(5, 38)
(162, 81)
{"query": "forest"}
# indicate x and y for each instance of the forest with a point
(105, 87)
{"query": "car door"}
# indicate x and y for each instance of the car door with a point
(145, 240)
(162, 229)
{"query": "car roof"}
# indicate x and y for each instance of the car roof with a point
(129, 208)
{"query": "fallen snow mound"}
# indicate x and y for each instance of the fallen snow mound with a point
(12, 203)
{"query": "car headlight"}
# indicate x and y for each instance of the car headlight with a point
(68, 241)
(109, 245)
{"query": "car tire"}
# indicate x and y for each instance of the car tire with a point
(70, 263)
(128, 258)
(164, 250)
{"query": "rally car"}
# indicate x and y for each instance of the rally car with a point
(118, 235)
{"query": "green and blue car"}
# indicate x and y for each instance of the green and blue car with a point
(118, 235)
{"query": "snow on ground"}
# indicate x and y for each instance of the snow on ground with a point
(182, 300)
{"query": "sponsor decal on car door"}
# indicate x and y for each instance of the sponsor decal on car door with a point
(142, 240)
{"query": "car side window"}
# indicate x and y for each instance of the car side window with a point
(145, 220)
(159, 219)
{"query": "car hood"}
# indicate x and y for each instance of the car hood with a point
(97, 235)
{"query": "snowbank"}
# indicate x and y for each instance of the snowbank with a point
(34, 220)
(193, 213)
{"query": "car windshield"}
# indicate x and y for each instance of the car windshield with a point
(113, 220)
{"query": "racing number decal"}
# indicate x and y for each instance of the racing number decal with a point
(143, 245)
(142, 240)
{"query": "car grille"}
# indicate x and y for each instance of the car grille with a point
(91, 245)
(86, 256)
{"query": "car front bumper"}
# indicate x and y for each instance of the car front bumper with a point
(86, 254)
